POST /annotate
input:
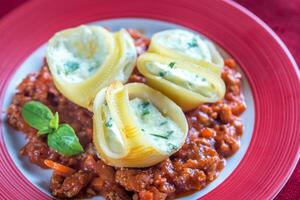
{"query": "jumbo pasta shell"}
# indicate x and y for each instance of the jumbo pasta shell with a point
(85, 59)
(127, 56)
(186, 83)
(118, 135)
(187, 46)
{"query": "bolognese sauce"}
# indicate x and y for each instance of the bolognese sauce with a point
(214, 134)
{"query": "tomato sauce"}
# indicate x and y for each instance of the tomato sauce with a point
(214, 134)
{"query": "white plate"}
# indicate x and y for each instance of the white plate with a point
(41, 178)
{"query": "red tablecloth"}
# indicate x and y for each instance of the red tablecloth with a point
(283, 16)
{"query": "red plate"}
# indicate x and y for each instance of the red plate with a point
(271, 71)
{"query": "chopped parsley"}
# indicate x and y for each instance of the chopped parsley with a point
(160, 136)
(193, 43)
(145, 108)
(142, 129)
(172, 147)
(163, 136)
(203, 79)
(91, 69)
(171, 64)
(170, 132)
(71, 67)
(145, 112)
(145, 104)
(162, 73)
(163, 123)
(108, 124)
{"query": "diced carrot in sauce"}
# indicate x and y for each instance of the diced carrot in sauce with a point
(230, 63)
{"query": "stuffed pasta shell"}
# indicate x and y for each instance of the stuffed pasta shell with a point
(136, 126)
(85, 59)
(187, 46)
(185, 83)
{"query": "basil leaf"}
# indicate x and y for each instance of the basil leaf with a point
(37, 115)
(54, 121)
(65, 141)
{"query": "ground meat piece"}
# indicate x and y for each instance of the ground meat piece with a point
(203, 118)
(238, 125)
(157, 195)
(231, 77)
(225, 114)
(106, 172)
(56, 182)
(141, 42)
(237, 107)
(190, 179)
(151, 194)
(154, 182)
(37, 151)
(166, 168)
(16, 121)
(89, 163)
(116, 193)
(137, 77)
(134, 179)
(106, 184)
(109, 191)
(226, 140)
(70, 186)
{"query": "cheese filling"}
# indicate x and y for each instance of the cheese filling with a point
(184, 42)
(183, 78)
(128, 59)
(160, 131)
(79, 54)
(112, 134)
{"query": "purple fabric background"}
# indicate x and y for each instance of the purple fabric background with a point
(283, 16)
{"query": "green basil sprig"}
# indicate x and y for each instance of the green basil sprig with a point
(61, 137)
(38, 116)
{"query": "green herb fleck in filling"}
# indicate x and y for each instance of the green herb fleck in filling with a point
(162, 74)
(170, 132)
(163, 123)
(172, 147)
(160, 130)
(71, 67)
(108, 124)
(171, 64)
(160, 136)
(145, 108)
(193, 43)
(145, 104)
(145, 112)
(91, 69)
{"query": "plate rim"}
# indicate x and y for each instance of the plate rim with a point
(15, 15)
